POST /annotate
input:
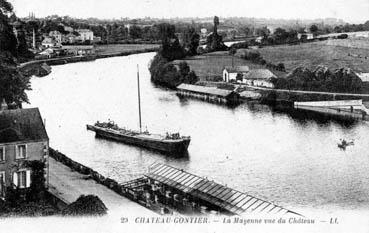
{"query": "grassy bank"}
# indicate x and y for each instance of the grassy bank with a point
(210, 65)
(331, 53)
(124, 48)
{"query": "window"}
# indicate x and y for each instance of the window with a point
(2, 184)
(2, 154)
(21, 152)
(22, 179)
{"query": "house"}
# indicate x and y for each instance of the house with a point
(49, 42)
(259, 78)
(234, 73)
(306, 36)
(86, 34)
(56, 35)
(68, 29)
(259, 39)
(79, 49)
(363, 76)
(70, 38)
(22, 138)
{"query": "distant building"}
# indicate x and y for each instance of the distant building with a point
(363, 76)
(211, 94)
(259, 78)
(97, 39)
(232, 74)
(259, 39)
(56, 35)
(50, 42)
(70, 38)
(22, 138)
(68, 29)
(79, 49)
(85, 34)
(306, 36)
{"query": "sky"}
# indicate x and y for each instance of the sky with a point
(352, 11)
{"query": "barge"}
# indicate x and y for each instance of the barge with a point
(345, 109)
(170, 143)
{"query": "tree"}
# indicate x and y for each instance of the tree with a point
(314, 29)
(135, 32)
(12, 83)
(263, 32)
(191, 41)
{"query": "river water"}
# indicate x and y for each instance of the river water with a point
(293, 161)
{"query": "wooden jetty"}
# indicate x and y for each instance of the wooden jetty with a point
(211, 94)
(170, 188)
(349, 109)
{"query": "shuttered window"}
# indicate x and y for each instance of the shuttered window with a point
(21, 152)
(22, 179)
(2, 154)
(2, 184)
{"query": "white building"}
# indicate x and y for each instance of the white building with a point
(232, 74)
(56, 35)
(308, 36)
(85, 34)
(363, 76)
(50, 42)
(259, 78)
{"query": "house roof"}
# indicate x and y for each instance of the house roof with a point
(259, 74)
(21, 125)
(237, 69)
(227, 198)
(363, 76)
(204, 90)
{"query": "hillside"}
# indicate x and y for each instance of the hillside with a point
(335, 54)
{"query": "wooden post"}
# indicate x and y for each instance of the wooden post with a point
(139, 97)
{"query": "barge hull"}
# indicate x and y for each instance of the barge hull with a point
(177, 146)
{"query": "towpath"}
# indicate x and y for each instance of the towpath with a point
(69, 185)
(309, 92)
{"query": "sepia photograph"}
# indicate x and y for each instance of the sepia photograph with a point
(184, 116)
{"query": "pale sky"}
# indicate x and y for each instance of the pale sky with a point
(353, 11)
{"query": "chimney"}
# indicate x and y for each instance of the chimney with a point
(34, 39)
(4, 105)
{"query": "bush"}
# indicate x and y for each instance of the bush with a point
(342, 36)
(86, 205)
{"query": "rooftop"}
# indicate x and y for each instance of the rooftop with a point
(237, 69)
(227, 198)
(21, 125)
(204, 90)
(259, 74)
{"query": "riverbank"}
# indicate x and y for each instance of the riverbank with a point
(35, 67)
(68, 185)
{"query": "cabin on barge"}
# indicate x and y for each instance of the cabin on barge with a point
(211, 94)
(175, 190)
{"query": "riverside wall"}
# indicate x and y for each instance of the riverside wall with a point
(33, 67)
(78, 167)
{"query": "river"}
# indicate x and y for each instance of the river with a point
(294, 162)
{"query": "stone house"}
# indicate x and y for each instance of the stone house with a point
(259, 78)
(234, 73)
(23, 138)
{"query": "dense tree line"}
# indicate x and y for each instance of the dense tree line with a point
(321, 79)
(12, 83)
(255, 57)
